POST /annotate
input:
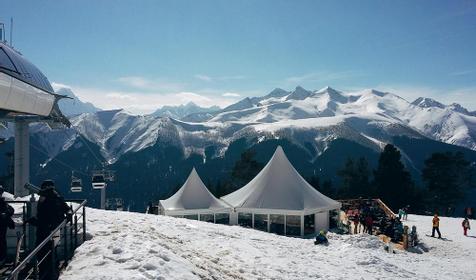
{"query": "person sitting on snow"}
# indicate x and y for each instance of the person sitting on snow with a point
(413, 237)
(321, 238)
(466, 226)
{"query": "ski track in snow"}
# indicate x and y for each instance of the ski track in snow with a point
(138, 246)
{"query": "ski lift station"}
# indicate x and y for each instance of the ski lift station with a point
(26, 96)
(277, 200)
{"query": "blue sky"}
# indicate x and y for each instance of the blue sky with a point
(144, 54)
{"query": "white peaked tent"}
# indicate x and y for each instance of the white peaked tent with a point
(279, 200)
(194, 201)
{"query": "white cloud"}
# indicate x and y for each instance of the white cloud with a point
(140, 102)
(203, 77)
(321, 76)
(462, 73)
(157, 85)
(231, 94)
(57, 86)
(207, 78)
(464, 96)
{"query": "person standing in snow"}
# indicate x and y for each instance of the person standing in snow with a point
(6, 213)
(400, 213)
(405, 214)
(466, 226)
(369, 222)
(51, 212)
(356, 224)
(436, 226)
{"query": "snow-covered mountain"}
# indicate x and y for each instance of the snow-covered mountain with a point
(74, 106)
(308, 118)
(181, 111)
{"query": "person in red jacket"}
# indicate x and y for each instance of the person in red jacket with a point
(369, 223)
(466, 226)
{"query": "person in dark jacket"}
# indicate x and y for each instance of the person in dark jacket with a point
(6, 213)
(51, 212)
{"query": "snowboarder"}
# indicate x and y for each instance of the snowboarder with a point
(51, 211)
(466, 226)
(436, 226)
(6, 213)
(321, 238)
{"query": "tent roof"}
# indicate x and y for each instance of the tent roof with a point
(193, 195)
(279, 186)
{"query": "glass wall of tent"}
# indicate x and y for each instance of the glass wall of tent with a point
(222, 218)
(218, 218)
(289, 225)
(245, 220)
(207, 218)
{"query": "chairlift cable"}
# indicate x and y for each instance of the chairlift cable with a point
(59, 161)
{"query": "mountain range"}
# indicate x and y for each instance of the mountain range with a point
(319, 130)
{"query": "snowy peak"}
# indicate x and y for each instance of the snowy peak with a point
(184, 110)
(74, 106)
(425, 102)
(245, 103)
(299, 94)
(334, 95)
(277, 93)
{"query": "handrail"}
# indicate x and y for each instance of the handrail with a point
(35, 251)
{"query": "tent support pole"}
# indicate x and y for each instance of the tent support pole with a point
(302, 225)
(269, 223)
(285, 233)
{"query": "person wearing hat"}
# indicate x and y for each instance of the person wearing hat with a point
(51, 211)
(6, 222)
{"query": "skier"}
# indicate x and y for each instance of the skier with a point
(466, 226)
(6, 213)
(321, 238)
(51, 211)
(436, 226)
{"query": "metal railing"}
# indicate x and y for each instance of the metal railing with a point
(55, 250)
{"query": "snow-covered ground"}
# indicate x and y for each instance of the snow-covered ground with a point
(138, 246)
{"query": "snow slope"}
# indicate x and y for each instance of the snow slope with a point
(138, 246)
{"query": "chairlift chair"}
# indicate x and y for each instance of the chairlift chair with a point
(98, 181)
(76, 185)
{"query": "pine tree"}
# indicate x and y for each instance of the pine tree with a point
(355, 179)
(392, 181)
(447, 176)
(245, 169)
